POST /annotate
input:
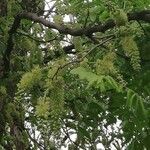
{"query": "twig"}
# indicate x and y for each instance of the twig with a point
(96, 47)
(61, 67)
(81, 59)
(34, 140)
(88, 13)
(67, 134)
(142, 28)
(49, 11)
(36, 39)
(104, 37)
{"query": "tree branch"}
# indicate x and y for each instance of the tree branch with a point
(141, 15)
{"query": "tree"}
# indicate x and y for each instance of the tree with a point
(74, 67)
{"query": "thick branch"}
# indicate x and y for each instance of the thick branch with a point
(10, 44)
(142, 15)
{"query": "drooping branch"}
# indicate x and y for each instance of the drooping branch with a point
(89, 30)
(35, 38)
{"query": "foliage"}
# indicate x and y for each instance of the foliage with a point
(74, 68)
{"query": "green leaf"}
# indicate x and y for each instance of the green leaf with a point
(130, 96)
(83, 132)
(101, 81)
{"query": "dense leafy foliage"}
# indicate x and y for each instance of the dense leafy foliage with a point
(74, 68)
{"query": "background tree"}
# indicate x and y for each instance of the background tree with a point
(75, 67)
